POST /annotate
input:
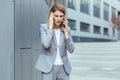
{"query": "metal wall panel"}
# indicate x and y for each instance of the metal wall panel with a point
(29, 14)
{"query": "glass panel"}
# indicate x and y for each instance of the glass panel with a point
(51, 2)
(106, 31)
(71, 4)
(84, 6)
(113, 32)
(96, 8)
(106, 12)
(72, 24)
(84, 27)
(113, 11)
(97, 29)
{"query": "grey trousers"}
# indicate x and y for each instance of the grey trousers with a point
(57, 73)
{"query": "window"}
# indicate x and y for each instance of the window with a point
(85, 6)
(96, 29)
(106, 31)
(57, 1)
(113, 13)
(51, 2)
(96, 8)
(106, 12)
(113, 32)
(72, 24)
(85, 27)
(71, 4)
(118, 13)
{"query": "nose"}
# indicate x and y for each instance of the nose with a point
(58, 18)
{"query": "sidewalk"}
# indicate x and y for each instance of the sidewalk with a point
(96, 61)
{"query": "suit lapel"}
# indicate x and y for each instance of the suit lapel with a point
(55, 41)
(61, 38)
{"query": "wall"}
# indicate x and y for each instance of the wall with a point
(6, 40)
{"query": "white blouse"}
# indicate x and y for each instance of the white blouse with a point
(58, 60)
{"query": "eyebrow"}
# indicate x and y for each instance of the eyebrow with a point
(58, 15)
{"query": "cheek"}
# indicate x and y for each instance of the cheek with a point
(54, 19)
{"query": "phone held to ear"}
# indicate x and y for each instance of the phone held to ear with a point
(62, 25)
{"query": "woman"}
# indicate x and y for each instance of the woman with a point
(56, 40)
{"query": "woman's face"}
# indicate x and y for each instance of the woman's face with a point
(58, 17)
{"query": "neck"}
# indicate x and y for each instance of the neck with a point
(56, 27)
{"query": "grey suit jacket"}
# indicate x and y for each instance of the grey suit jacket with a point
(49, 49)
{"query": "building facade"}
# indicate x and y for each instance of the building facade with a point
(90, 20)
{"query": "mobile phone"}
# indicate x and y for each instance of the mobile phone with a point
(62, 25)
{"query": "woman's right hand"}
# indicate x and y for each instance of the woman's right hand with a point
(50, 21)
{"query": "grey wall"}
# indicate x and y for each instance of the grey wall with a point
(6, 40)
(29, 14)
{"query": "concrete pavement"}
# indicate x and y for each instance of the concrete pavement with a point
(96, 61)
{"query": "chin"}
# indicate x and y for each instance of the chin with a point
(57, 24)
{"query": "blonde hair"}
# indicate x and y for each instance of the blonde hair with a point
(58, 7)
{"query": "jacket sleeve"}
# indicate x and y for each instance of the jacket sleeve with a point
(46, 36)
(69, 44)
